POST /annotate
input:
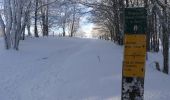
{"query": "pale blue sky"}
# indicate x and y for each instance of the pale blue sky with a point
(86, 26)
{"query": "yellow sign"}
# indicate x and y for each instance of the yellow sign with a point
(135, 38)
(133, 69)
(135, 45)
(134, 62)
(134, 51)
(134, 56)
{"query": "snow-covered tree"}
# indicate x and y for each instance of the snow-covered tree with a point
(14, 20)
(110, 13)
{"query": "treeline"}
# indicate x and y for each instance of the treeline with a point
(16, 16)
(19, 16)
(109, 16)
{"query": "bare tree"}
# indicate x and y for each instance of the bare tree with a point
(35, 20)
(15, 14)
(44, 14)
(109, 13)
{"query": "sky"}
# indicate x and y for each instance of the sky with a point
(86, 26)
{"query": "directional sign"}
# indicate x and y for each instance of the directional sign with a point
(135, 20)
(133, 68)
(137, 58)
(135, 50)
(135, 38)
(133, 71)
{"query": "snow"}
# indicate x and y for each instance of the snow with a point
(57, 68)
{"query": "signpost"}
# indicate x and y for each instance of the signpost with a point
(133, 71)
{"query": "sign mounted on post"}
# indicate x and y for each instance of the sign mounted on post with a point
(135, 21)
(134, 54)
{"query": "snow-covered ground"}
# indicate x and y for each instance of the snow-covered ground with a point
(58, 68)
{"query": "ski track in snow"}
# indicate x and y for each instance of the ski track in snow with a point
(10, 86)
(32, 73)
(70, 69)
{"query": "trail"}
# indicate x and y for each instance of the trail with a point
(58, 68)
(51, 69)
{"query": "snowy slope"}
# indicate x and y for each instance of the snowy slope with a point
(70, 69)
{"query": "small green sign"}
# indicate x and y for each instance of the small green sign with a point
(135, 20)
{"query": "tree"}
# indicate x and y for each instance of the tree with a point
(76, 12)
(109, 14)
(14, 22)
(67, 16)
(73, 21)
(165, 40)
(35, 20)
(45, 14)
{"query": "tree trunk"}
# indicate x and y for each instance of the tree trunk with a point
(8, 26)
(3, 31)
(72, 26)
(46, 20)
(64, 33)
(148, 27)
(28, 29)
(28, 24)
(43, 22)
(165, 42)
(35, 26)
(127, 3)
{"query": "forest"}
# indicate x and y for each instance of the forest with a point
(18, 16)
